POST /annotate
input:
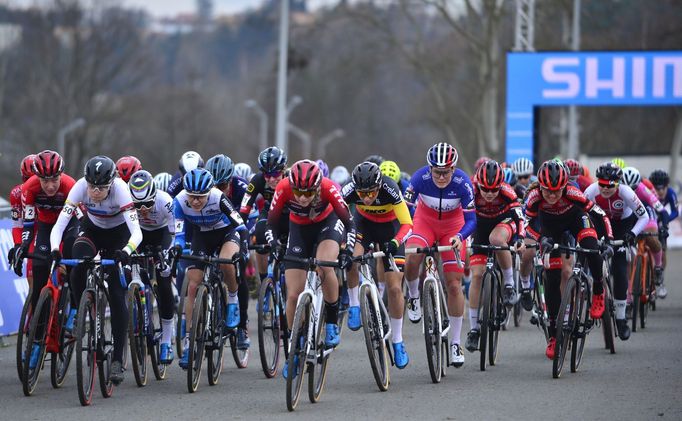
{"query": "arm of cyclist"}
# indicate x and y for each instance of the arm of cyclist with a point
(16, 211)
(333, 196)
(68, 211)
(235, 219)
(253, 189)
(179, 225)
(469, 211)
(597, 215)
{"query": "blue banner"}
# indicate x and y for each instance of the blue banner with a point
(13, 290)
(587, 79)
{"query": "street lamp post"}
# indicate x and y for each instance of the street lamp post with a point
(263, 119)
(294, 102)
(282, 75)
(61, 135)
(327, 139)
(304, 137)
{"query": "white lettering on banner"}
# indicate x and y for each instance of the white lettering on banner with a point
(616, 84)
(2, 319)
(551, 75)
(660, 64)
(638, 77)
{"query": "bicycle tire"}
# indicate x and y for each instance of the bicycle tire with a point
(583, 319)
(636, 291)
(376, 345)
(343, 309)
(317, 373)
(608, 319)
(85, 341)
(518, 310)
(62, 360)
(268, 328)
(106, 342)
(179, 331)
(432, 334)
(137, 338)
(283, 323)
(216, 348)
(197, 339)
(644, 299)
(39, 322)
(565, 327)
(299, 333)
(484, 318)
(22, 335)
(154, 343)
(498, 314)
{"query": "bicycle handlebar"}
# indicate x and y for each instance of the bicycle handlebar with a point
(311, 262)
(210, 259)
(428, 250)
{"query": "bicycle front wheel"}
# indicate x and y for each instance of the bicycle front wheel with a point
(646, 293)
(376, 345)
(216, 344)
(432, 333)
(62, 360)
(197, 339)
(22, 335)
(582, 322)
(608, 319)
(636, 291)
(484, 319)
(181, 327)
(317, 373)
(566, 323)
(297, 354)
(268, 328)
(498, 315)
(86, 361)
(136, 334)
(106, 346)
(154, 343)
(37, 336)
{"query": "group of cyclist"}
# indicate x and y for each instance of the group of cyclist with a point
(305, 210)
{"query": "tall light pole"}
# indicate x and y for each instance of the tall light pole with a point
(327, 139)
(263, 120)
(61, 135)
(304, 137)
(294, 102)
(282, 75)
(573, 148)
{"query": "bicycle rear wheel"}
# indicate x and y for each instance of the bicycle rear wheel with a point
(582, 326)
(197, 339)
(216, 339)
(566, 321)
(86, 361)
(432, 334)
(22, 335)
(37, 335)
(106, 345)
(376, 345)
(498, 315)
(317, 372)
(136, 334)
(484, 320)
(268, 328)
(608, 319)
(297, 355)
(62, 360)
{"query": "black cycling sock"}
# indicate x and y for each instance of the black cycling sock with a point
(332, 311)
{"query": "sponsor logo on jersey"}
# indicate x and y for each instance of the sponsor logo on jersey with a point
(618, 204)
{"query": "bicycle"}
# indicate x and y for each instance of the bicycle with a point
(272, 316)
(435, 323)
(375, 320)
(180, 328)
(492, 313)
(306, 344)
(48, 331)
(574, 313)
(94, 340)
(144, 325)
(539, 315)
(608, 320)
(208, 331)
(641, 284)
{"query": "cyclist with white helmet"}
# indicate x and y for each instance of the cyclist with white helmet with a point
(523, 169)
(243, 170)
(188, 161)
(340, 175)
(162, 180)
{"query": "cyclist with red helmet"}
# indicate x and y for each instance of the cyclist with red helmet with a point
(127, 166)
(444, 198)
(26, 170)
(317, 216)
(500, 222)
(556, 207)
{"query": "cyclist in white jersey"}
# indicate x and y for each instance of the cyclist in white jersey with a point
(109, 227)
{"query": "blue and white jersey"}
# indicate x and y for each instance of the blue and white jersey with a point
(422, 191)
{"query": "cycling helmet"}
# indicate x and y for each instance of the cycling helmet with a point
(272, 159)
(162, 180)
(126, 166)
(552, 175)
(26, 167)
(340, 175)
(405, 176)
(199, 181)
(100, 170)
(243, 170)
(522, 167)
(442, 155)
(619, 162)
(631, 177)
(189, 161)
(490, 175)
(509, 176)
(221, 168)
(323, 167)
(377, 159)
(574, 168)
(142, 187)
(480, 161)
(48, 164)
(609, 172)
(391, 169)
(305, 175)
(366, 176)
(659, 178)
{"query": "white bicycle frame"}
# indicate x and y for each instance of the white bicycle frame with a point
(313, 288)
(367, 281)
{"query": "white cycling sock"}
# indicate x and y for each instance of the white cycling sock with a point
(166, 330)
(620, 309)
(396, 330)
(232, 298)
(473, 318)
(508, 275)
(525, 281)
(455, 328)
(353, 300)
(413, 286)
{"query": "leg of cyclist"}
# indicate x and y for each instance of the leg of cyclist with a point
(527, 261)
(455, 295)
(193, 274)
(229, 248)
(583, 230)
(477, 262)
(328, 250)
(657, 251)
(396, 305)
(353, 278)
(501, 236)
(553, 299)
(422, 236)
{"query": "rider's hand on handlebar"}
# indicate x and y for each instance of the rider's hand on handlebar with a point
(520, 246)
(11, 254)
(120, 256)
(629, 238)
(546, 245)
(345, 259)
(456, 242)
(391, 247)
(56, 256)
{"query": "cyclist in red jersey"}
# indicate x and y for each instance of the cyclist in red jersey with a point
(318, 215)
(26, 169)
(559, 207)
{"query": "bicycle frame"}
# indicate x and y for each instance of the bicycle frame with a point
(367, 281)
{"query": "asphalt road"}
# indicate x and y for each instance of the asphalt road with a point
(643, 381)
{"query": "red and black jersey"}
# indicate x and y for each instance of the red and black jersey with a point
(504, 205)
(17, 218)
(38, 205)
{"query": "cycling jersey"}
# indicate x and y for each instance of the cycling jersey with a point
(17, 213)
(623, 203)
(217, 213)
(116, 209)
(388, 206)
(504, 205)
(237, 191)
(161, 215)
(175, 185)
(257, 186)
(583, 182)
(670, 201)
(40, 206)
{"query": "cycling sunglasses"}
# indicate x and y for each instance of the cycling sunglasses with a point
(442, 173)
(102, 188)
(145, 206)
(366, 193)
(274, 174)
(486, 190)
(306, 193)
